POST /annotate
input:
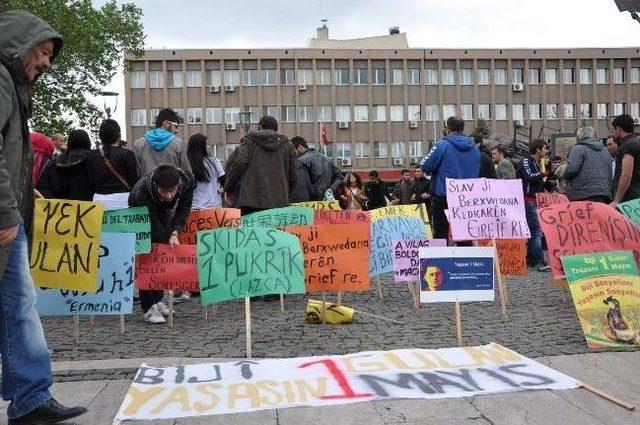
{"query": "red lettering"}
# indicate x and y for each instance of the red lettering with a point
(341, 380)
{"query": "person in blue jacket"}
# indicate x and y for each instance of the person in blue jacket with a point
(455, 156)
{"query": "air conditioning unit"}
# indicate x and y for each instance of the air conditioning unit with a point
(214, 89)
(413, 124)
(398, 162)
(302, 87)
(230, 126)
(414, 161)
(346, 162)
(517, 87)
(229, 89)
(343, 124)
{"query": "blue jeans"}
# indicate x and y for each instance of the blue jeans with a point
(534, 248)
(26, 366)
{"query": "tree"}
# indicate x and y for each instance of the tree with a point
(95, 40)
(482, 129)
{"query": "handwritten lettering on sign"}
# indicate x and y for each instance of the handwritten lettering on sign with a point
(631, 209)
(130, 220)
(319, 205)
(66, 239)
(383, 231)
(168, 269)
(234, 387)
(413, 210)
(208, 219)
(279, 217)
(341, 217)
(486, 209)
(406, 258)
(584, 227)
(512, 254)
(114, 295)
(336, 257)
(544, 199)
(246, 262)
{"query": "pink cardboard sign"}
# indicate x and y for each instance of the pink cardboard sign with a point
(406, 258)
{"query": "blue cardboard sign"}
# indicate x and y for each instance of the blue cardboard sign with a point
(383, 232)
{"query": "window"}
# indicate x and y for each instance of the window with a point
(413, 77)
(448, 77)
(342, 76)
(255, 114)
(397, 149)
(413, 113)
(327, 150)
(305, 114)
(379, 76)
(482, 76)
(484, 111)
(569, 110)
(362, 149)
(287, 77)
(214, 115)
(568, 76)
(232, 115)
(174, 78)
(343, 113)
(154, 114)
(232, 77)
(634, 110)
(501, 111)
(268, 77)
(214, 78)
(601, 76)
(534, 76)
(585, 76)
(618, 75)
(380, 150)
(361, 113)
(466, 111)
(217, 151)
(305, 76)
(396, 77)
(249, 77)
(618, 108)
(138, 117)
(194, 115)
(500, 76)
(396, 113)
(517, 76)
(136, 79)
(288, 113)
(273, 111)
(323, 113)
(518, 111)
(466, 77)
(415, 148)
(585, 110)
(360, 76)
(179, 112)
(156, 79)
(552, 111)
(342, 150)
(194, 78)
(551, 76)
(634, 76)
(431, 112)
(535, 111)
(602, 110)
(378, 113)
(448, 111)
(323, 77)
(431, 77)
(230, 148)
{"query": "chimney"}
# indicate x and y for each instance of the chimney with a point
(323, 31)
(394, 30)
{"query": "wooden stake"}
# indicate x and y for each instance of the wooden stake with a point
(412, 291)
(502, 290)
(247, 321)
(76, 333)
(323, 313)
(375, 316)
(206, 313)
(606, 396)
(282, 303)
(171, 309)
(339, 301)
(458, 324)
(379, 283)
(122, 324)
(90, 322)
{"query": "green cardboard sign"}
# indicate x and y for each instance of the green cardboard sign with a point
(130, 220)
(631, 209)
(279, 217)
(582, 266)
(247, 262)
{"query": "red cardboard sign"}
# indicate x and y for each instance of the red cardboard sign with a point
(545, 199)
(168, 270)
(341, 217)
(207, 219)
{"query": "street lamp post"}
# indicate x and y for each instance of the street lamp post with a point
(107, 110)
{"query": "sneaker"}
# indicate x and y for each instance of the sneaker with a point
(544, 267)
(182, 298)
(163, 309)
(153, 315)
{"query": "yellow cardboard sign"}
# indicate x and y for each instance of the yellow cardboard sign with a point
(412, 210)
(66, 242)
(319, 205)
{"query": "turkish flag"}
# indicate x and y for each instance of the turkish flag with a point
(324, 135)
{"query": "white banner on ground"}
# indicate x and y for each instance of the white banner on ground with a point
(248, 385)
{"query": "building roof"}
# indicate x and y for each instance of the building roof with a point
(394, 41)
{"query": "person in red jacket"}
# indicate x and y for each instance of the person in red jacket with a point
(42, 152)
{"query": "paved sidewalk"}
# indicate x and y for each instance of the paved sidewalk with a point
(614, 372)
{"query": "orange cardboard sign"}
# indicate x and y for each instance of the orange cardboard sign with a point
(208, 219)
(545, 199)
(341, 216)
(168, 269)
(336, 257)
(512, 254)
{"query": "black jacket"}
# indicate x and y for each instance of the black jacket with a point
(487, 170)
(304, 190)
(102, 179)
(323, 174)
(67, 177)
(377, 194)
(420, 186)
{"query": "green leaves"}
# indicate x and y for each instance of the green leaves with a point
(95, 40)
(482, 129)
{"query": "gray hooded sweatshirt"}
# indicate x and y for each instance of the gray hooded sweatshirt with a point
(588, 171)
(20, 32)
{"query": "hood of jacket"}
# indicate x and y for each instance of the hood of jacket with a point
(41, 144)
(595, 144)
(159, 138)
(72, 159)
(268, 139)
(461, 142)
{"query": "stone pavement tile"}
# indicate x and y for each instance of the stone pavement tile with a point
(427, 412)
(105, 405)
(261, 417)
(354, 413)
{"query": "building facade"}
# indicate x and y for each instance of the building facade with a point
(382, 108)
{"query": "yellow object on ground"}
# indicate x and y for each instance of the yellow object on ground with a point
(334, 314)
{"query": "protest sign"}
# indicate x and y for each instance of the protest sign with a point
(336, 258)
(208, 219)
(66, 239)
(544, 199)
(130, 220)
(413, 210)
(454, 274)
(406, 259)
(631, 209)
(168, 269)
(115, 289)
(246, 262)
(319, 205)
(606, 292)
(486, 209)
(584, 227)
(341, 217)
(279, 217)
(512, 255)
(234, 387)
(383, 231)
